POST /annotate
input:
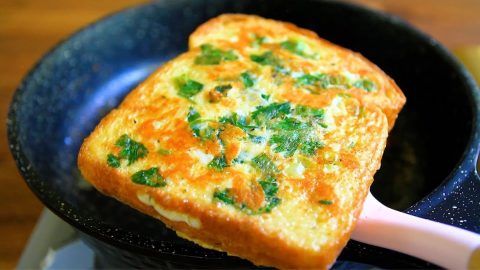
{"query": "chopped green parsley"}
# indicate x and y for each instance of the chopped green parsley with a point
(285, 142)
(310, 147)
(187, 88)
(247, 79)
(201, 128)
(265, 59)
(265, 97)
(192, 115)
(366, 85)
(218, 163)
(305, 111)
(210, 55)
(130, 149)
(113, 161)
(270, 190)
(149, 177)
(294, 133)
(236, 120)
(309, 79)
(288, 142)
(296, 47)
(224, 196)
(324, 81)
(325, 202)
(290, 124)
(223, 88)
(164, 152)
(264, 164)
(258, 41)
(264, 113)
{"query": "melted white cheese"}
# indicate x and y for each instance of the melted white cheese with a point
(201, 156)
(169, 214)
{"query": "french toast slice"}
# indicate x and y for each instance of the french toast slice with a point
(305, 53)
(237, 151)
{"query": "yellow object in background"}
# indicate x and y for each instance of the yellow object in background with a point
(470, 57)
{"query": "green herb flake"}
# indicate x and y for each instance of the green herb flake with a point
(218, 163)
(199, 127)
(202, 130)
(113, 161)
(317, 113)
(187, 88)
(265, 96)
(223, 88)
(270, 189)
(264, 113)
(290, 124)
(206, 133)
(323, 80)
(258, 41)
(269, 186)
(294, 134)
(130, 150)
(274, 202)
(305, 111)
(325, 202)
(309, 148)
(308, 79)
(236, 120)
(286, 142)
(192, 115)
(296, 47)
(247, 79)
(149, 177)
(224, 196)
(366, 85)
(290, 134)
(339, 80)
(344, 95)
(361, 112)
(164, 152)
(266, 59)
(264, 164)
(210, 55)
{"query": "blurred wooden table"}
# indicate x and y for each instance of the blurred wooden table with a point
(28, 28)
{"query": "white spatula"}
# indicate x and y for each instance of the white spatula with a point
(444, 245)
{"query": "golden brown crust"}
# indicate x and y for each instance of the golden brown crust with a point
(258, 238)
(234, 236)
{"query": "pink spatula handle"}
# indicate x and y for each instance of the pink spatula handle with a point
(444, 245)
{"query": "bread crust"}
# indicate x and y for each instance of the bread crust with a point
(236, 237)
(217, 226)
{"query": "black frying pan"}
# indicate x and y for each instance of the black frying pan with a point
(428, 167)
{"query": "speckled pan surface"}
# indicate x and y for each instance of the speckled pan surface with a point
(428, 168)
